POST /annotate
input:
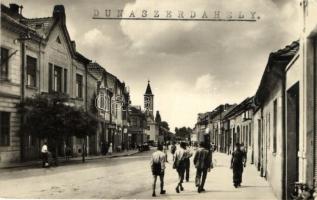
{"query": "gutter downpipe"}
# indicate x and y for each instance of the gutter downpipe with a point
(284, 144)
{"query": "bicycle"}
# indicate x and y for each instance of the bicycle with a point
(302, 191)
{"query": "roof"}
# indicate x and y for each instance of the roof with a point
(16, 21)
(238, 109)
(148, 90)
(275, 71)
(220, 115)
(41, 28)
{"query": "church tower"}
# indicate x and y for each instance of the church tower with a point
(149, 100)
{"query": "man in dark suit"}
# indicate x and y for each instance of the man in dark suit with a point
(202, 162)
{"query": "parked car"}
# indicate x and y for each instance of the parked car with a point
(144, 147)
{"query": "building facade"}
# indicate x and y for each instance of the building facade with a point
(277, 149)
(37, 56)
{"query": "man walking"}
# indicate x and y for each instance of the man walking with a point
(44, 152)
(179, 165)
(244, 150)
(187, 162)
(173, 150)
(158, 168)
(202, 162)
(237, 163)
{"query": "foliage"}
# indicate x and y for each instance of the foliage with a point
(51, 116)
(165, 125)
(183, 132)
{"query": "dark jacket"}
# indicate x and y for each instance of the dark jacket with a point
(202, 159)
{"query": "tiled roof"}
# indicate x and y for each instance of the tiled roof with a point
(274, 70)
(42, 26)
(244, 105)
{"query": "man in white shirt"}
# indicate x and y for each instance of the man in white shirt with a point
(158, 167)
(44, 152)
(179, 165)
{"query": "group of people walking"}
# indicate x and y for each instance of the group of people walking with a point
(202, 161)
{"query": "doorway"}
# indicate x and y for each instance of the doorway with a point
(292, 139)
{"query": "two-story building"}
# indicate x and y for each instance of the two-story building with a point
(37, 56)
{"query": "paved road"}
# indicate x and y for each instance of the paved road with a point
(125, 177)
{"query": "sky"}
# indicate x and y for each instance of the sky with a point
(193, 66)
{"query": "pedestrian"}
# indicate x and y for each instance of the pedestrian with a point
(110, 148)
(187, 162)
(244, 150)
(237, 163)
(179, 165)
(103, 148)
(165, 148)
(173, 150)
(202, 162)
(68, 152)
(44, 152)
(158, 167)
(54, 161)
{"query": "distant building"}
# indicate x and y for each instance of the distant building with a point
(238, 127)
(113, 102)
(152, 129)
(137, 127)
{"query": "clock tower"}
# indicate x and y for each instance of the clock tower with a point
(149, 100)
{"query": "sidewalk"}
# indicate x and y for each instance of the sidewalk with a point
(63, 161)
(218, 184)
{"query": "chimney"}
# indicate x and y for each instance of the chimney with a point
(14, 8)
(59, 12)
(73, 44)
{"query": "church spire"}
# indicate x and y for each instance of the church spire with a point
(148, 90)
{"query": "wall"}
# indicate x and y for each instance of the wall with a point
(10, 95)
(271, 162)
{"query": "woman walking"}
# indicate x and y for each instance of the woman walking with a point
(237, 163)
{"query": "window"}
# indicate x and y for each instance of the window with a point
(79, 86)
(31, 71)
(116, 110)
(58, 40)
(4, 129)
(65, 80)
(133, 121)
(113, 108)
(38, 26)
(274, 125)
(57, 79)
(4, 64)
(50, 77)
(246, 135)
(250, 136)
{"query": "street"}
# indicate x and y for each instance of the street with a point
(126, 177)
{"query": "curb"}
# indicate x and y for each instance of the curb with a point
(37, 163)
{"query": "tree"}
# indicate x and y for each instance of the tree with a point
(183, 132)
(49, 116)
(165, 125)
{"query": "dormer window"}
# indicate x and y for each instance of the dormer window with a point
(58, 40)
(38, 26)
